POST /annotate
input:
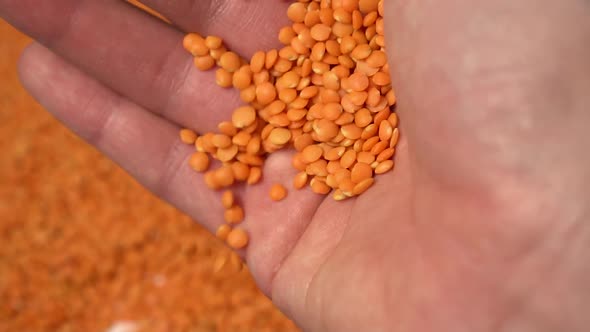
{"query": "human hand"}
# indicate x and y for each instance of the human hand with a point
(481, 227)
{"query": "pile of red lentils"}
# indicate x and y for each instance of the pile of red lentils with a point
(326, 94)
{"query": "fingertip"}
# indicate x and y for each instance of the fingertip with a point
(24, 61)
(32, 65)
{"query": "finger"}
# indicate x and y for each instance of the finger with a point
(247, 26)
(133, 53)
(142, 143)
(477, 84)
(149, 149)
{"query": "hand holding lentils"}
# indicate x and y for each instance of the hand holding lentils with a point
(326, 93)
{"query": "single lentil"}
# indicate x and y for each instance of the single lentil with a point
(188, 136)
(234, 215)
(223, 231)
(230, 61)
(199, 161)
(227, 199)
(237, 238)
(204, 63)
(278, 192)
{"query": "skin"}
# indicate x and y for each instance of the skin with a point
(483, 225)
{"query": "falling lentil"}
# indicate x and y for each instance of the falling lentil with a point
(222, 231)
(237, 238)
(234, 215)
(227, 199)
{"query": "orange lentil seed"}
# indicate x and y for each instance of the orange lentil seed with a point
(227, 154)
(227, 199)
(224, 176)
(221, 141)
(199, 161)
(312, 153)
(385, 154)
(379, 147)
(279, 136)
(213, 42)
(319, 187)
(278, 192)
(188, 136)
(384, 167)
(195, 45)
(360, 172)
(234, 215)
(230, 62)
(222, 232)
(300, 180)
(237, 238)
(227, 128)
(255, 175)
(240, 170)
(204, 63)
(362, 186)
(348, 158)
(211, 181)
(244, 116)
(223, 78)
(394, 138)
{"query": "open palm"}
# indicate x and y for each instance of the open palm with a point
(488, 194)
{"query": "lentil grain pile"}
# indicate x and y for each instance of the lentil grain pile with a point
(84, 248)
(326, 93)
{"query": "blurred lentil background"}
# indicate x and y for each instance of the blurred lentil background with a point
(83, 247)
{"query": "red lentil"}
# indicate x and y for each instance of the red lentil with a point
(234, 215)
(237, 238)
(199, 161)
(278, 192)
(227, 199)
(222, 232)
(188, 136)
